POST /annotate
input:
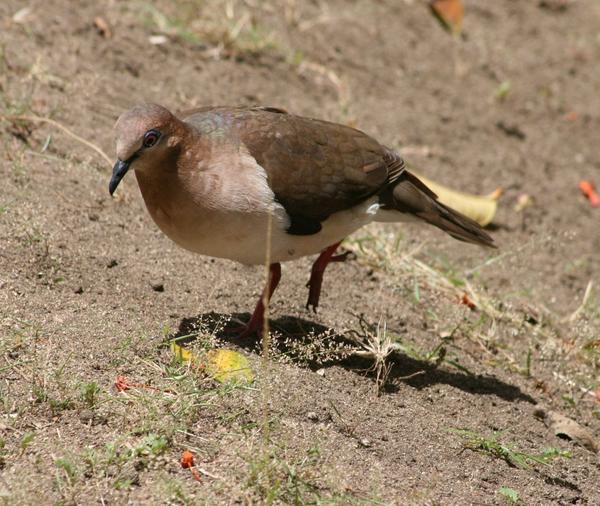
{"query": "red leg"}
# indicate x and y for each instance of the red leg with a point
(316, 275)
(256, 320)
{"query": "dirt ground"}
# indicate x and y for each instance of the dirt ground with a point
(91, 290)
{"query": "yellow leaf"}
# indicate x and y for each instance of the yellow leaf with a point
(181, 353)
(228, 365)
(225, 366)
(481, 208)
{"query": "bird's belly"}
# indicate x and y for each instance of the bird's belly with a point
(232, 236)
(242, 237)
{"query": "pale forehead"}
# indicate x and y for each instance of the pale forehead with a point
(141, 118)
(134, 123)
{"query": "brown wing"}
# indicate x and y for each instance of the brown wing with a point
(316, 168)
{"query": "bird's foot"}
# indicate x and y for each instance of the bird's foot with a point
(314, 290)
(312, 303)
(342, 257)
(255, 325)
(242, 332)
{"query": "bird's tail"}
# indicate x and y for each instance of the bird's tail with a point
(410, 195)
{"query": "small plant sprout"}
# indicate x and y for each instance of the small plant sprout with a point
(510, 495)
(69, 468)
(26, 440)
(89, 393)
(503, 90)
(507, 451)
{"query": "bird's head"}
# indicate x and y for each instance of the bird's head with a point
(146, 136)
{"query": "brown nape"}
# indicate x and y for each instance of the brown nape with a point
(410, 195)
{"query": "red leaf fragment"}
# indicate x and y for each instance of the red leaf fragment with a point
(187, 459)
(466, 300)
(450, 13)
(187, 462)
(588, 189)
(121, 384)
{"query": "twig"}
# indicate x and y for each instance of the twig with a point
(573, 316)
(38, 119)
(14, 364)
(409, 376)
(204, 471)
(44, 155)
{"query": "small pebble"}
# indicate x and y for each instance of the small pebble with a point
(158, 40)
(157, 287)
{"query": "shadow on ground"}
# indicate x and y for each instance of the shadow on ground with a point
(418, 374)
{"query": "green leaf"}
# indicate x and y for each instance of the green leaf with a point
(509, 493)
(503, 90)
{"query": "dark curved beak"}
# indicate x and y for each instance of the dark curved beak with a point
(119, 170)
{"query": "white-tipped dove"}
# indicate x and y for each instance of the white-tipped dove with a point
(210, 177)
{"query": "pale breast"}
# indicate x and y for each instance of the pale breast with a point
(222, 211)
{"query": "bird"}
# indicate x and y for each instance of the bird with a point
(215, 178)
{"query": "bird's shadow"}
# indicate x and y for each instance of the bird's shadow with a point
(291, 334)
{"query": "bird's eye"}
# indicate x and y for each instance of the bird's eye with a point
(151, 138)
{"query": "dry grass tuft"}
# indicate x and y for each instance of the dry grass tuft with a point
(376, 346)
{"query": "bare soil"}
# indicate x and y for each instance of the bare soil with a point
(91, 290)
